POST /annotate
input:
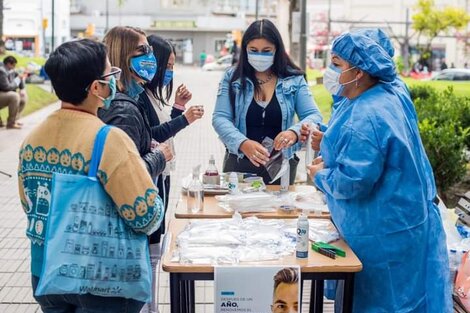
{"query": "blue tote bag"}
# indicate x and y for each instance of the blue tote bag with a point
(88, 247)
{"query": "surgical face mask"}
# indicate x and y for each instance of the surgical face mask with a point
(261, 61)
(144, 66)
(331, 80)
(134, 89)
(168, 77)
(112, 88)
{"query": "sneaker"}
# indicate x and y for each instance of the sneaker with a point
(14, 126)
(19, 123)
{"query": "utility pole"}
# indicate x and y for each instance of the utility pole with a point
(257, 9)
(107, 17)
(329, 24)
(406, 43)
(303, 35)
(53, 26)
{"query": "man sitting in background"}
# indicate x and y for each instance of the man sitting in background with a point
(10, 82)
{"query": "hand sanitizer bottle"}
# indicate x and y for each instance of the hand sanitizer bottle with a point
(211, 176)
(195, 196)
(301, 247)
(233, 183)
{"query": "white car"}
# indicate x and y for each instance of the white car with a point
(455, 74)
(221, 64)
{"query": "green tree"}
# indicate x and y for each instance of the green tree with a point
(431, 22)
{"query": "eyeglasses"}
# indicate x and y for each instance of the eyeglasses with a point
(144, 49)
(115, 71)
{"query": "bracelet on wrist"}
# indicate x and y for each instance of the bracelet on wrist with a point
(179, 107)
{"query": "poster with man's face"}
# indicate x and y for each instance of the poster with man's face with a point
(266, 289)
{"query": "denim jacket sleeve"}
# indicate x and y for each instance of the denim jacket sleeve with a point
(305, 106)
(223, 119)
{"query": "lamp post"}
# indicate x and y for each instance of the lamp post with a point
(53, 26)
(303, 35)
(107, 17)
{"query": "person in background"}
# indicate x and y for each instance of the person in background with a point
(259, 98)
(202, 58)
(443, 65)
(235, 51)
(154, 101)
(452, 65)
(84, 81)
(12, 92)
(128, 49)
(465, 65)
(379, 186)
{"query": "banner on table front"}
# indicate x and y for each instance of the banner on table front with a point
(266, 289)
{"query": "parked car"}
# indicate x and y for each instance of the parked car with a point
(220, 64)
(455, 74)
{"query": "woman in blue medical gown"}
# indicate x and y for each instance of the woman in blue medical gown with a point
(379, 185)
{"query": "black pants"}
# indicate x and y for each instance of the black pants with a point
(243, 165)
(164, 193)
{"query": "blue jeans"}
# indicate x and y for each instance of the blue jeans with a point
(73, 303)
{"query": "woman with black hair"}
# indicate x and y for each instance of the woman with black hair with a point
(259, 98)
(157, 95)
(153, 101)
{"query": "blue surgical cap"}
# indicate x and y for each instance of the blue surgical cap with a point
(366, 54)
(380, 37)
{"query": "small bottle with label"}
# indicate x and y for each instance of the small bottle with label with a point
(233, 183)
(195, 196)
(301, 247)
(211, 176)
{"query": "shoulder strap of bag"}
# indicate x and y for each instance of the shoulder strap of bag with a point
(98, 151)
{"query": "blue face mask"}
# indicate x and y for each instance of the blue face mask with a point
(134, 89)
(168, 77)
(261, 61)
(331, 80)
(112, 92)
(144, 66)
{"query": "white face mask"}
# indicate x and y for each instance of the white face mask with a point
(331, 80)
(261, 61)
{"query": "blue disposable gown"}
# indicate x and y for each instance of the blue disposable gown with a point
(379, 188)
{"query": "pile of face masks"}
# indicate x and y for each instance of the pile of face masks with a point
(235, 240)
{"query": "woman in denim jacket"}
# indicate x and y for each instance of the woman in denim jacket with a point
(258, 98)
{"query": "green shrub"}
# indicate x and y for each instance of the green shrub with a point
(445, 149)
(422, 92)
(445, 127)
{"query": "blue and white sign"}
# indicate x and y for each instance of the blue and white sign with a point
(264, 289)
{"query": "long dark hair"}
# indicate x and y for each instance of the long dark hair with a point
(283, 65)
(162, 49)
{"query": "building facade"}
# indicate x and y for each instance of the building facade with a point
(192, 25)
(28, 25)
(391, 17)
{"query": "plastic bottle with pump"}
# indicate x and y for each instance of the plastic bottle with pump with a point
(211, 176)
(195, 196)
(301, 247)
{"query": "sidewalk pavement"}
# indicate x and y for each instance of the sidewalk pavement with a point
(194, 145)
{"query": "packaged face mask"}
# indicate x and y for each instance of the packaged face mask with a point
(274, 166)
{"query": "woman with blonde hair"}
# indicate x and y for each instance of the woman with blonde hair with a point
(129, 50)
